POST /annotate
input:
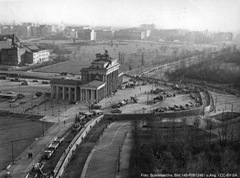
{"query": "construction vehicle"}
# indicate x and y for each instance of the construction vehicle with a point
(76, 127)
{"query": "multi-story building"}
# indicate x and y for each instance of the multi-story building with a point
(21, 31)
(86, 34)
(98, 81)
(35, 55)
(14, 53)
(6, 30)
(73, 33)
(93, 35)
(33, 31)
(43, 30)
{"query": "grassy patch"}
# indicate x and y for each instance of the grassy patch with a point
(21, 131)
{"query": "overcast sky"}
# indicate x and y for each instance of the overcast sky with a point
(214, 15)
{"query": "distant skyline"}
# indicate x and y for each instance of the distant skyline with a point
(212, 15)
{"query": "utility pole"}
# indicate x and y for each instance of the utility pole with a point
(42, 128)
(147, 97)
(58, 122)
(12, 154)
(32, 105)
(18, 87)
(152, 91)
(52, 106)
(45, 104)
(142, 62)
(216, 104)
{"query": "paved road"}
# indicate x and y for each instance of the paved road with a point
(102, 161)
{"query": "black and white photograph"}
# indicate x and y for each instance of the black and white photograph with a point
(119, 88)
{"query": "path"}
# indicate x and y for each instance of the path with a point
(109, 145)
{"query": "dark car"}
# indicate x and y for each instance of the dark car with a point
(35, 80)
(45, 82)
(116, 111)
(94, 106)
(73, 102)
(76, 127)
(12, 100)
(97, 112)
(38, 94)
(22, 102)
(116, 106)
(3, 77)
(20, 95)
(177, 109)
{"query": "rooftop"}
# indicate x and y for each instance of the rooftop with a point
(95, 84)
(32, 48)
(67, 81)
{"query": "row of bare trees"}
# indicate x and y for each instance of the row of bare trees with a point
(177, 147)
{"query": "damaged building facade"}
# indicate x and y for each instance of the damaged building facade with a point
(12, 53)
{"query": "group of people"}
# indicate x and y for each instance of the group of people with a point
(30, 155)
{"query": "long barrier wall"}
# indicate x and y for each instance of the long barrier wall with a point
(212, 102)
(210, 105)
(176, 114)
(65, 158)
